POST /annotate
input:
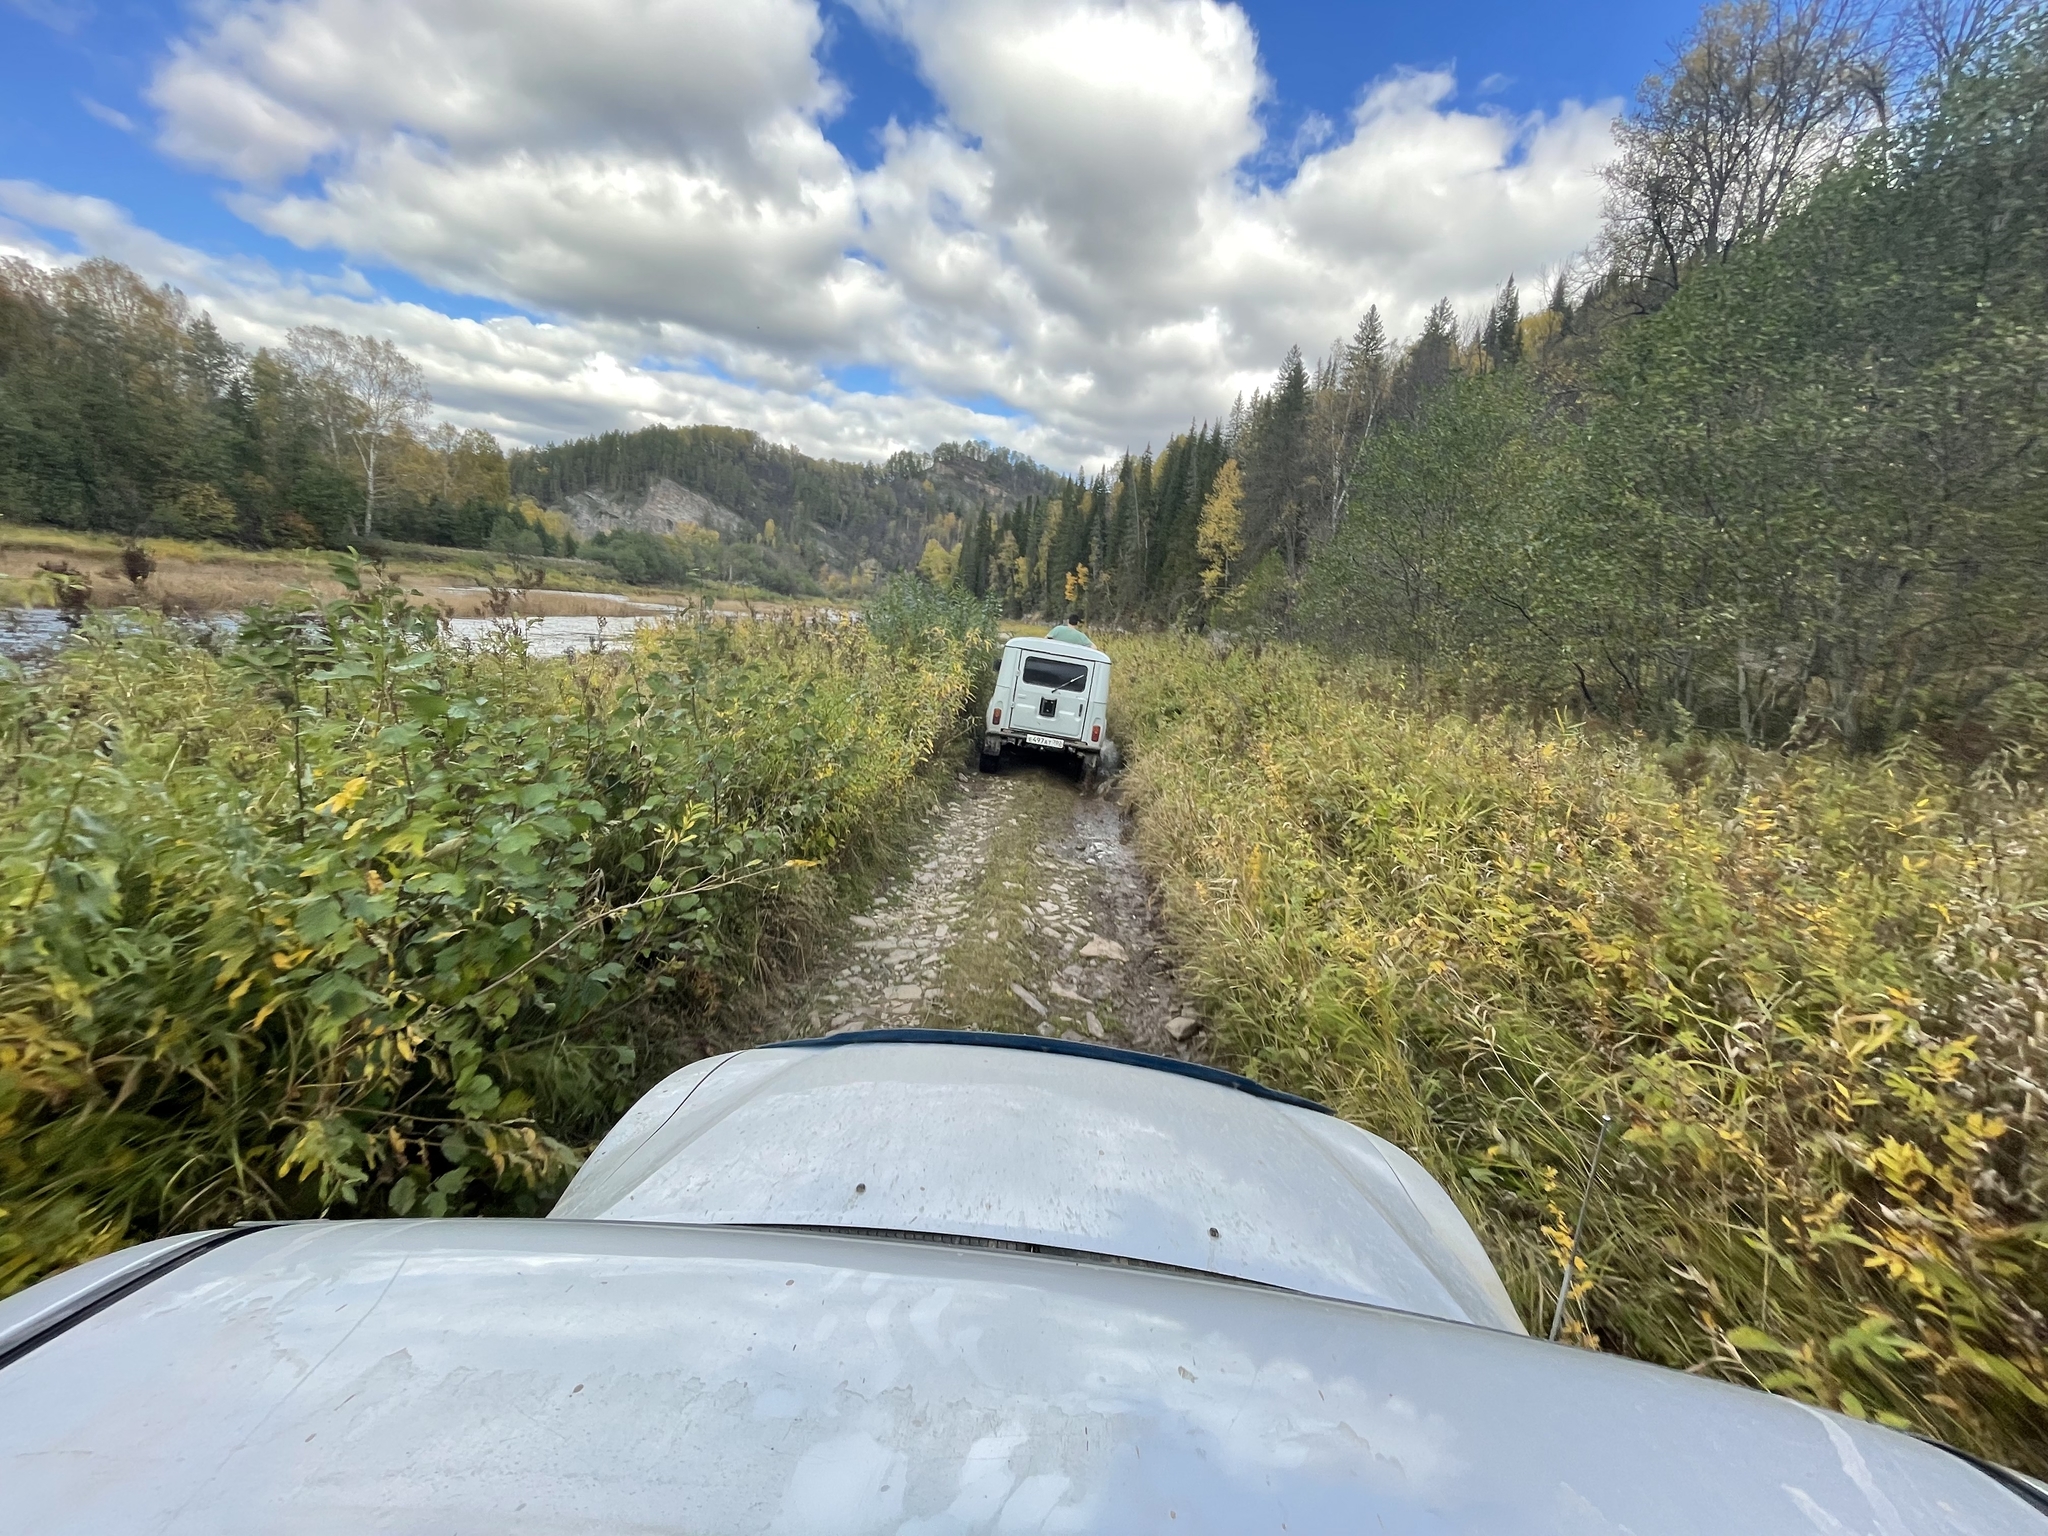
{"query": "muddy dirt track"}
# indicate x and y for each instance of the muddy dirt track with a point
(1021, 908)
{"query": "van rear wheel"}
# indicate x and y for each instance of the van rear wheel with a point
(991, 761)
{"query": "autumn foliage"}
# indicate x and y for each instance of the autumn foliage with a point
(348, 919)
(1810, 988)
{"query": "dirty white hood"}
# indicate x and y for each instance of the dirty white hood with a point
(713, 1358)
(539, 1378)
(1078, 1150)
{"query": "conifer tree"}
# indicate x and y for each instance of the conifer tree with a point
(1502, 336)
(973, 565)
(1351, 388)
(1278, 474)
(1427, 363)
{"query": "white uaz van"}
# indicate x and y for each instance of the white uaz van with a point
(1049, 695)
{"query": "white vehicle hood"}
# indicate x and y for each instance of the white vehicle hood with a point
(1048, 1145)
(544, 1378)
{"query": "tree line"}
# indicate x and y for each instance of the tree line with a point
(121, 411)
(1769, 458)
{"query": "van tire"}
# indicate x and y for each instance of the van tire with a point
(991, 761)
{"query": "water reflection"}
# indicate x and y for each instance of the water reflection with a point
(30, 635)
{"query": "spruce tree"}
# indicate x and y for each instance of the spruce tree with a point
(1428, 361)
(1276, 467)
(1502, 338)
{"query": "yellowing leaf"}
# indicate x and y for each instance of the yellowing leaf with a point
(344, 799)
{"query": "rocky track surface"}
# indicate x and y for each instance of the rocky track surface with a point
(1022, 909)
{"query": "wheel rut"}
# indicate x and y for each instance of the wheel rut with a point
(1022, 909)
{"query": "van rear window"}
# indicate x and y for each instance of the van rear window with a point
(1044, 672)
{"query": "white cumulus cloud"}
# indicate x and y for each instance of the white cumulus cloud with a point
(526, 380)
(1077, 235)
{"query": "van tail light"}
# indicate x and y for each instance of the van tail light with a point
(1095, 734)
(997, 717)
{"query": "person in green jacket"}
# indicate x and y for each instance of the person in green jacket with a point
(1069, 633)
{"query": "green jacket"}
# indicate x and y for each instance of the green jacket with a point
(1068, 635)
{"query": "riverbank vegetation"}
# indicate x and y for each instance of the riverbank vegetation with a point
(46, 567)
(1809, 988)
(126, 413)
(341, 917)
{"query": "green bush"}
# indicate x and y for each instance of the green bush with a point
(646, 559)
(348, 919)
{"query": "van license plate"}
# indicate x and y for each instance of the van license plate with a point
(1045, 741)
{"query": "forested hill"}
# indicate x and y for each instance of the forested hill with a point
(836, 512)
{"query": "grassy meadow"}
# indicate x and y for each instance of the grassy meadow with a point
(339, 918)
(1809, 988)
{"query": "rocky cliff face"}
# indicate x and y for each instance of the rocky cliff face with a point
(664, 507)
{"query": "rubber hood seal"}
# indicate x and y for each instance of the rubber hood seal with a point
(1082, 1048)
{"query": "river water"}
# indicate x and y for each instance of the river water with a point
(556, 635)
(26, 632)
(30, 633)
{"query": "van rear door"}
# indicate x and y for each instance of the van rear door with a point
(1052, 696)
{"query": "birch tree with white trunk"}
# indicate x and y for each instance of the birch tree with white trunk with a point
(364, 391)
(1350, 385)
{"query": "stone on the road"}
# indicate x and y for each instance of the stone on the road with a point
(1029, 1001)
(906, 993)
(1183, 1027)
(1099, 948)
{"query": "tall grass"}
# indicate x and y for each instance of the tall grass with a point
(347, 920)
(908, 613)
(1812, 990)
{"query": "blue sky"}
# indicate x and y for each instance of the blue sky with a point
(1320, 55)
(878, 285)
